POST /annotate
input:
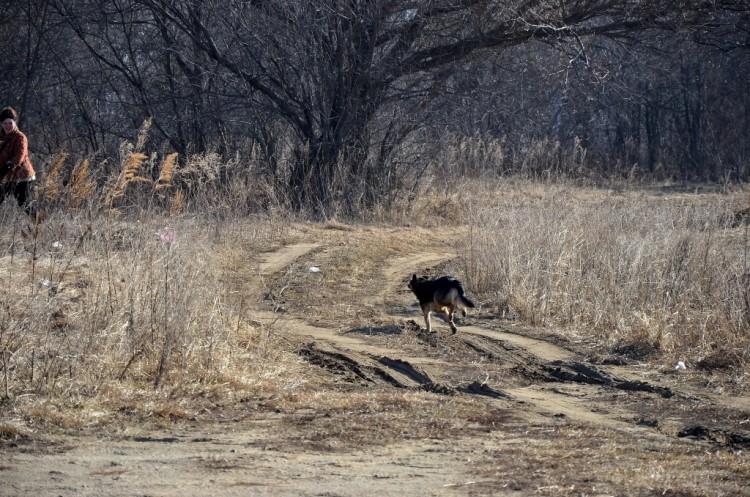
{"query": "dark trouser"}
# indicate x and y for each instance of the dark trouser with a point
(21, 190)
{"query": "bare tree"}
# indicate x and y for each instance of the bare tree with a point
(327, 89)
(329, 67)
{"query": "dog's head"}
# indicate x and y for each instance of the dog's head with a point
(414, 282)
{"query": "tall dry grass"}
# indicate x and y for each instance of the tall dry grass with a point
(120, 293)
(100, 301)
(112, 310)
(659, 270)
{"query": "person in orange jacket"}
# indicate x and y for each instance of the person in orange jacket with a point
(17, 174)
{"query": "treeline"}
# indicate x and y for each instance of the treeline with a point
(348, 102)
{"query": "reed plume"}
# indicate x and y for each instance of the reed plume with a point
(53, 183)
(167, 167)
(143, 134)
(128, 175)
(81, 185)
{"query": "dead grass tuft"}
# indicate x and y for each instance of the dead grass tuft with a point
(335, 225)
(13, 432)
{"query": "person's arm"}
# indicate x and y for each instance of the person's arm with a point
(6, 156)
(14, 152)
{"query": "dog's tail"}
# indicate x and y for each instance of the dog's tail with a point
(466, 301)
(463, 300)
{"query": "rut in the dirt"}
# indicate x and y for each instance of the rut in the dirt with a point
(360, 366)
(586, 373)
(717, 436)
(336, 363)
(535, 369)
(405, 368)
(368, 369)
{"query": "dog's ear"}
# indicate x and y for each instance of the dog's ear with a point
(414, 277)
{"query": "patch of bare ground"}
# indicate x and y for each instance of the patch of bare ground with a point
(385, 408)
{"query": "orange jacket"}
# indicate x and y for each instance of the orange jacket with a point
(14, 148)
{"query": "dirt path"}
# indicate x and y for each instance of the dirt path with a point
(234, 463)
(539, 388)
(377, 363)
(278, 260)
(564, 385)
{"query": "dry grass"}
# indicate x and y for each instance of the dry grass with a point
(100, 311)
(665, 269)
(100, 308)
(612, 468)
(139, 301)
(107, 321)
(82, 186)
(52, 186)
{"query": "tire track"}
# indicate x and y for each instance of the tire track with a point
(545, 381)
(364, 367)
(544, 351)
(355, 360)
(280, 259)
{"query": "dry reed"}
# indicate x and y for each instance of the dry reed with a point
(52, 187)
(128, 175)
(143, 134)
(82, 186)
(167, 170)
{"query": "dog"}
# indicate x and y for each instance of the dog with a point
(445, 295)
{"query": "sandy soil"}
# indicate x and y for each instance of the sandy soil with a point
(565, 420)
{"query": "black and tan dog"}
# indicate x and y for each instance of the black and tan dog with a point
(445, 295)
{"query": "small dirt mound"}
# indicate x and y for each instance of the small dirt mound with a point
(717, 435)
(586, 373)
(438, 388)
(495, 350)
(335, 363)
(477, 388)
(637, 351)
(405, 369)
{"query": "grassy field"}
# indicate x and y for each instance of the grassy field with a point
(114, 312)
(104, 291)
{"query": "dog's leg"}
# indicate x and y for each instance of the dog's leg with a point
(427, 320)
(451, 311)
